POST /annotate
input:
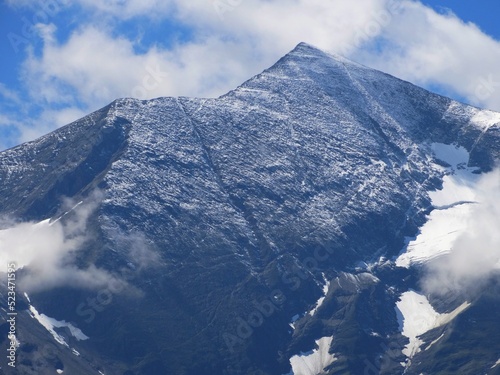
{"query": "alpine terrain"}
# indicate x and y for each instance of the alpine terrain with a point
(290, 226)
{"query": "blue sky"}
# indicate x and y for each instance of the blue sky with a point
(483, 13)
(62, 59)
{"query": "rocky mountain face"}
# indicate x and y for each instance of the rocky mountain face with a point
(255, 233)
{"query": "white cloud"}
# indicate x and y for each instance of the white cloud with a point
(277, 26)
(100, 67)
(129, 8)
(475, 255)
(440, 49)
(118, 8)
(90, 64)
(48, 250)
(94, 68)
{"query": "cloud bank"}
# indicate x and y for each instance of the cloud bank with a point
(475, 255)
(48, 250)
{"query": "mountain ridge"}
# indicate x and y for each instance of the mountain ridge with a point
(252, 199)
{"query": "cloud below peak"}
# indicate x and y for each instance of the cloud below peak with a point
(475, 255)
(47, 251)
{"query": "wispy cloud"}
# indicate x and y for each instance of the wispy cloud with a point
(47, 251)
(439, 49)
(130, 8)
(9, 95)
(72, 72)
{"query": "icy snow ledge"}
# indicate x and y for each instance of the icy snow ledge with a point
(313, 363)
(416, 316)
(437, 235)
(51, 323)
(319, 302)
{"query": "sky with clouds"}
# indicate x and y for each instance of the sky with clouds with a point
(62, 59)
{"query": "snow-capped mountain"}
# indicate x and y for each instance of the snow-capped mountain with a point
(283, 228)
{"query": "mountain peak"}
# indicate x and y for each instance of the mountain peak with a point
(304, 48)
(309, 63)
(307, 51)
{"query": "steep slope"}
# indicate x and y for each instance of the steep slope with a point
(226, 217)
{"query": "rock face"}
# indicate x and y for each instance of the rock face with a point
(227, 217)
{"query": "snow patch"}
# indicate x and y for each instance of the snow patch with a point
(453, 208)
(453, 155)
(437, 235)
(51, 323)
(319, 302)
(13, 339)
(314, 362)
(416, 316)
(360, 279)
(52, 222)
(496, 364)
(434, 342)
